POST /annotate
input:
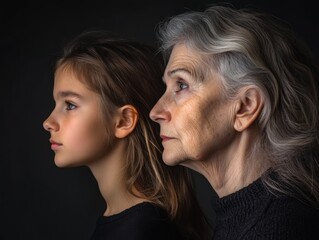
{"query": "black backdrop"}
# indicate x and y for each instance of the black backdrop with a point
(37, 199)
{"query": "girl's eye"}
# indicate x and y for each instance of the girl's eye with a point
(69, 106)
(181, 86)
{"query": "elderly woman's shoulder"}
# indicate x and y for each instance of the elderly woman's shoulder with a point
(289, 218)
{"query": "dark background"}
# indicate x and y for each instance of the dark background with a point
(37, 199)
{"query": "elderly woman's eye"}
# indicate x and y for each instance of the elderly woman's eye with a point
(181, 86)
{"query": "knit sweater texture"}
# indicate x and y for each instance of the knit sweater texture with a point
(254, 213)
(144, 221)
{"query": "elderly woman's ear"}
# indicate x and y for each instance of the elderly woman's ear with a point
(249, 104)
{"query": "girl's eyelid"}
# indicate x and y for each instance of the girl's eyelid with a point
(69, 103)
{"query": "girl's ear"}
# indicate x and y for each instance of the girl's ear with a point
(126, 121)
(248, 108)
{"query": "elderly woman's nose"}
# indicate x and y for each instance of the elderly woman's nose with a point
(159, 112)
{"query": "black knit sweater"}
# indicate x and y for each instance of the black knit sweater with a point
(254, 213)
(144, 221)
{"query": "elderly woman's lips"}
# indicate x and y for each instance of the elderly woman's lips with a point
(165, 138)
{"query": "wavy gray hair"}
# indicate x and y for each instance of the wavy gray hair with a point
(251, 48)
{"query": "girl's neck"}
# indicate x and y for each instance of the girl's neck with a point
(121, 201)
(109, 173)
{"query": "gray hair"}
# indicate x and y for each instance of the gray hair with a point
(251, 48)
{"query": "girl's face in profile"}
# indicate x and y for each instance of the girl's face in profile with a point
(78, 134)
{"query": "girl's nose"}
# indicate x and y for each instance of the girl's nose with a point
(49, 124)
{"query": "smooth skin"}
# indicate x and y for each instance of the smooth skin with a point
(79, 137)
(204, 130)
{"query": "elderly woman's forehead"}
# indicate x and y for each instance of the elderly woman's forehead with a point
(184, 50)
(183, 56)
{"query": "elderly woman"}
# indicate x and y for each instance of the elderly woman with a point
(241, 108)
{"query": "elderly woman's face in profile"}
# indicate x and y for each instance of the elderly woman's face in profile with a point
(194, 116)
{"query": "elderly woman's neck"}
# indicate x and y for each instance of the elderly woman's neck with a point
(236, 177)
(242, 163)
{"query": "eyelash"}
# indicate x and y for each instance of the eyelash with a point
(70, 106)
(179, 85)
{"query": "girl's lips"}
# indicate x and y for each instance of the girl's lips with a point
(54, 145)
(54, 142)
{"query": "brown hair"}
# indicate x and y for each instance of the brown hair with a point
(124, 72)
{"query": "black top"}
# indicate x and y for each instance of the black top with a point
(144, 221)
(254, 213)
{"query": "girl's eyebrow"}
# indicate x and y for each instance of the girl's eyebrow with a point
(64, 94)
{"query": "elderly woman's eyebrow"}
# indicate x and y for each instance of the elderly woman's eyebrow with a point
(171, 73)
(177, 70)
(192, 72)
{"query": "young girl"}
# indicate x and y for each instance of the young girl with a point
(104, 89)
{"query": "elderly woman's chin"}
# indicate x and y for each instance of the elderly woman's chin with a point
(175, 158)
(171, 158)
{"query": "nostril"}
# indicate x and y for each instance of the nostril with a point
(158, 118)
(160, 115)
(155, 116)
